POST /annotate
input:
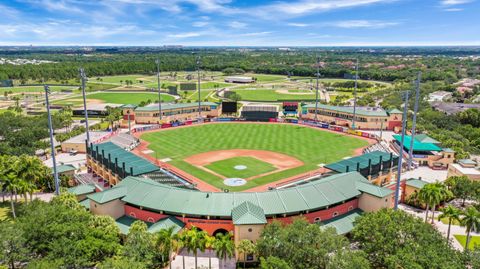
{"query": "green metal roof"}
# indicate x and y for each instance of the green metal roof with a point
(366, 111)
(82, 189)
(248, 213)
(85, 203)
(416, 183)
(140, 165)
(311, 196)
(125, 222)
(108, 195)
(65, 168)
(425, 139)
(361, 160)
(395, 111)
(343, 224)
(417, 145)
(175, 106)
(467, 161)
(129, 106)
(372, 189)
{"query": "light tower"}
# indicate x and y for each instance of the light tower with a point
(157, 61)
(199, 95)
(400, 157)
(414, 120)
(83, 78)
(52, 146)
(355, 95)
(316, 89)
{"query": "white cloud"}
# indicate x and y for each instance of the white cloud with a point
(256, 33)
(200, 24)
(237, 25)
(310, 6)
(361, 24)
(185, 35)
(296, 24)
(454, 2)
(453, 9)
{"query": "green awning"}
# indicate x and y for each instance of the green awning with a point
(362, 161)
(416, 183)
(85, 203)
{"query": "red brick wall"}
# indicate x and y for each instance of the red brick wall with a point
(143, 214)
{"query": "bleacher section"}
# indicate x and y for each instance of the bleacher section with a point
(125, 141)
(164, 177)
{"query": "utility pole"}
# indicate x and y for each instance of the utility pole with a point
(414, 121)
(129, 129)
(83, 77)
(50, 127)
(199, 95)
(316, 91)
(400, 157)
(355, 96)
(157, 61)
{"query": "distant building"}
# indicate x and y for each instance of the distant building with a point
(466, 168)
(77, 143)
(439, 96)
(94, 110)
(239, 79)
(453, 108)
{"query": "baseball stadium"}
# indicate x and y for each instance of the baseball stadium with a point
(235, 174)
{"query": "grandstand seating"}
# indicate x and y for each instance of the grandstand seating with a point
(126, 141)
(164, 177)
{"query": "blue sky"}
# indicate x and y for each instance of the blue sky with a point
(240, 23)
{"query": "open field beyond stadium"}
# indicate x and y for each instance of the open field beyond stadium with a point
(310, 146)
(119, 98)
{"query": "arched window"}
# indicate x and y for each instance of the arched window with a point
(132, 214)
(317, 220)
(150, 219)
(350, 208)
(335, 214)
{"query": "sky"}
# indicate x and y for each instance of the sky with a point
(240, 23)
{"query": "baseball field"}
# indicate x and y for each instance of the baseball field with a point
(257, 153)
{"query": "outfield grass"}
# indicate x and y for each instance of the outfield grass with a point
(311, 146)
(272, 95)
(227, 167)
(462, 239)
(266, 77)
(119, 98)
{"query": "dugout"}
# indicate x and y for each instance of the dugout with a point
(259, 112)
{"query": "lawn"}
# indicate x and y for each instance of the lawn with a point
(265, 77)
(4, 211)
(273, 95)
(39, 89)
(253, 167)
(119, 98)
(462, 239)
(311, 146)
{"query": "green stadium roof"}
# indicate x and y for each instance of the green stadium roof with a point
(416, 183)
(311, 196)
(85, 203)
(82, 189)
(343, 224)
(425, 139)
(362, 160)
(175, 106)
(140, 166)
(125, 222)
(248, 213)
(349, 109)
(65, 168)
(372, 189)
(395, 111)
(108, 195)
(417, 145)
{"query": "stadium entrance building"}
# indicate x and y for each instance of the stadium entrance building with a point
(426, 151)
(333, 201)
(367, 118)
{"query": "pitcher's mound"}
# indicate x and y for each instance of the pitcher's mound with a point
(240, 167)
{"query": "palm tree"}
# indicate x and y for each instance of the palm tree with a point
(440, 193)
(424, 195)
(451, 213)
(432, 195)
(471, 220)
(246, 247)
(11, 184)
(224, 246)
(209, 243)
(167, 241)
(195, 240)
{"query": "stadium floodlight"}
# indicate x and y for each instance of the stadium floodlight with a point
(316, 89)
(83, 78)
(414, 121)
(355, 95)
(199, 95)
(400, 157)
(52, 145)
(157, 61)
